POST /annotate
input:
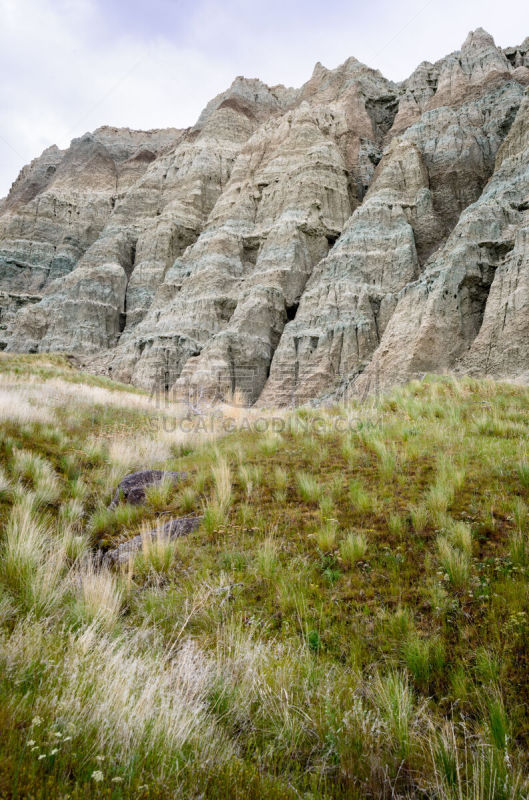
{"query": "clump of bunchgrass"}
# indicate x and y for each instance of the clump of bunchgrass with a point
(519, 548)
(397, 525)
(353, 548)
(309, 488)
(71, 513)
(270, 443)
(326, 506)
(326, 536)
(100, 597)
(223, 485)
(158, 551)
(188, 499)
(160, 494)
(5, 485)
(38, 474)
(214, 518)
(279, 482)
(393, 698)
(455, 562)
(112, 520)
(266, 559)
(419, 516)
(361, 500)
(423, 658)
(250, 476)
(523, 473)
(32, 564)
(461, 536)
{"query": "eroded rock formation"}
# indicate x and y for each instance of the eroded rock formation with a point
(295, 243)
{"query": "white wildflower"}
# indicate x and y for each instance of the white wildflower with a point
(36, 721)
(97, 775)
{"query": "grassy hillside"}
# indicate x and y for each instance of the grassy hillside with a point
(351, 619)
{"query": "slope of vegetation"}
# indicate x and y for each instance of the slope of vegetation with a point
(350, 620)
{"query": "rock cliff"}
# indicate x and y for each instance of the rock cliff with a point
(295, 243)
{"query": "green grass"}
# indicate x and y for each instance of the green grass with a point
(349, 621)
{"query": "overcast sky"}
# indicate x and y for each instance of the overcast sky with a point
(68, 66)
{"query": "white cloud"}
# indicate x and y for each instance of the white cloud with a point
(65, 71)
(57, 82)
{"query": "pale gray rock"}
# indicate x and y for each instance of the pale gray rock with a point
(293, 244)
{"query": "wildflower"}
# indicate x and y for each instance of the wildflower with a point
(97, 776)
(67, 739)
(36, 721)
(42, 755)
(54, 751)
(100, 758)
(58, 734)
(31, 742)
(117, 779)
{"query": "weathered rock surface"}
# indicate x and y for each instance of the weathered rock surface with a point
(133, 487)
(293, 244)
(173, 529)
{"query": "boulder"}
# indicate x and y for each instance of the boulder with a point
(132, 488)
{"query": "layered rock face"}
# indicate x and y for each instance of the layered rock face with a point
(295, 243)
